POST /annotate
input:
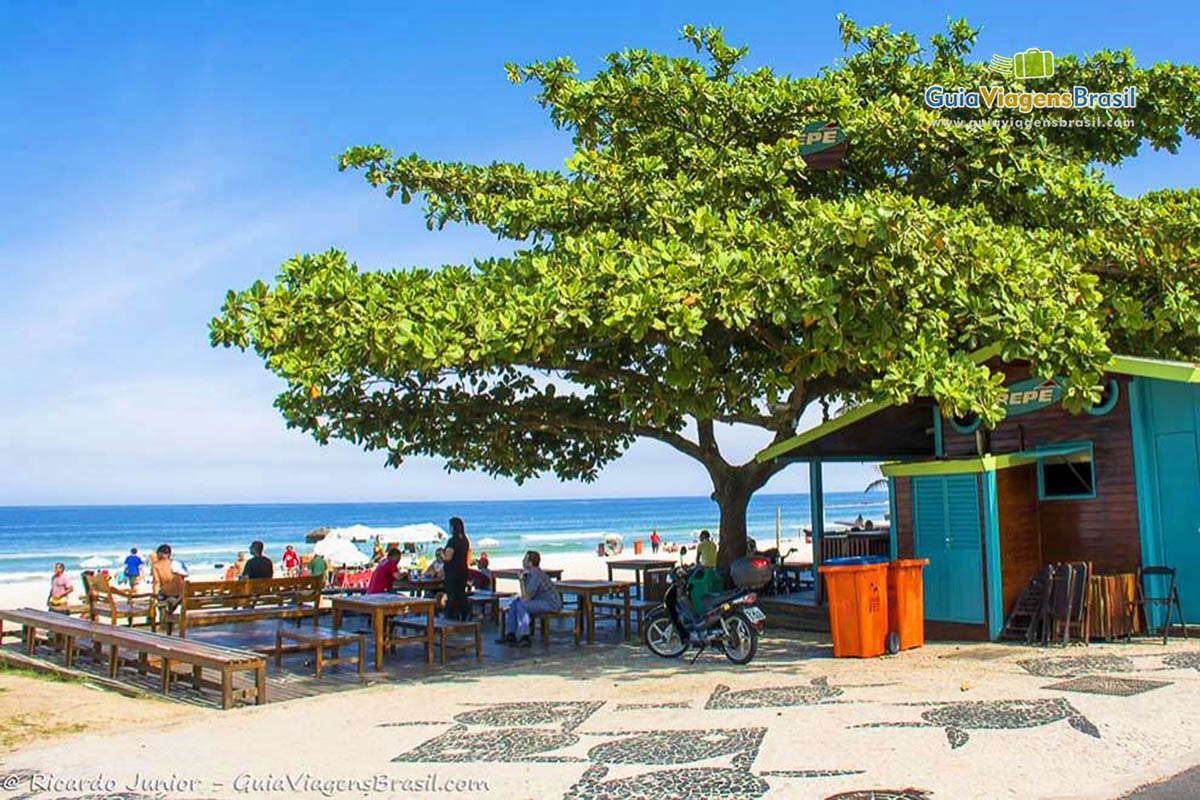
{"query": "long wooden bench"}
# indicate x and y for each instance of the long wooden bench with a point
(220, 602)
(145, 645)
(614, 608)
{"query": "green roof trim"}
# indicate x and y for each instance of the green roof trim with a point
(837, 423)
(1177, 371)
(975, 464)
(850, 417)
(1160, 369)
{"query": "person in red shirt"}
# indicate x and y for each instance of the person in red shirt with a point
(385, 574)
(291, 562)
(654, 541)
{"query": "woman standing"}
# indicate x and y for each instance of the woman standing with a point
(455, 556)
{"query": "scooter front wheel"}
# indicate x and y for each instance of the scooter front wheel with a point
(662, 637)
(741, 640)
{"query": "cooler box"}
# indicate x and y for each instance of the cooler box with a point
(858, 605)
(906, 601)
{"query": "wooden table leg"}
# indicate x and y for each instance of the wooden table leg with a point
(379, 622)
(337, 617)
(429, 637)
(609, 571)
(278, 647)
(589, 613)
(226, 688)
(260, 684)
(362, 645)
(628, 626)
(112, 661)
(196, 675)
(166, 676)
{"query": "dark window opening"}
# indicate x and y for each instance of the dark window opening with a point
(1068, 475)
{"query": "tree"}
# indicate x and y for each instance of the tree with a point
(689, 269)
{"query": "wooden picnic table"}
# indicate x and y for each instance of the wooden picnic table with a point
(381, 606)
(418, 584)
(587, 591)
(639, 566)
(514, 573)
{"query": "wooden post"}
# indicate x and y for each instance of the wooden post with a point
(816, 503)
(226, 688)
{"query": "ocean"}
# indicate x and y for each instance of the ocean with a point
(32, 538)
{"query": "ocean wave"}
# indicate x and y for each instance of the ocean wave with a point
(595, 536)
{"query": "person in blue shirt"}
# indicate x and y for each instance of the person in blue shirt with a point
(133, 568)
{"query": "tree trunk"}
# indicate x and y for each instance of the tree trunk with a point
(734, 487)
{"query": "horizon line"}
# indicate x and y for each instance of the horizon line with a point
(413, 502)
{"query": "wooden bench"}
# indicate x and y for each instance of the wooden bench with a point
(488, 600)
(614, 608)
(144, 644)
(442, 627)
(220, 602)
(543, 618)
(319, 640)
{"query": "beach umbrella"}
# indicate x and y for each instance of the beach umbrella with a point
(487, 541)
(95, 562)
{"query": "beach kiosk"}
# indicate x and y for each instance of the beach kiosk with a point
(1117, 485)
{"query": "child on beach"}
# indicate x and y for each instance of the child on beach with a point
(60, 590)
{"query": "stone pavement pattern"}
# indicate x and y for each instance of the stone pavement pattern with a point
(969, 721)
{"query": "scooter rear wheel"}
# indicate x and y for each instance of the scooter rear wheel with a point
(740, 649)
(662, 637)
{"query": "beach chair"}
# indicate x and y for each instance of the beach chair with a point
(1146, 600)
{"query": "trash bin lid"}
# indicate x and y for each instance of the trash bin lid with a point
(855, 561)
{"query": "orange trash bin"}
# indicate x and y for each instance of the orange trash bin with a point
(858, 606)
(906, 601)
(637, 547)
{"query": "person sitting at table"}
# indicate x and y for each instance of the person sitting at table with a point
(538, 596)
(479, 575)
(437, 567)
(384, 576)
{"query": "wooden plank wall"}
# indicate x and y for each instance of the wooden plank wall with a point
(1103, 529)
(905, 543)
(1020, 531)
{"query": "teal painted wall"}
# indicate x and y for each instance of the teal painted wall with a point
(1166, 438)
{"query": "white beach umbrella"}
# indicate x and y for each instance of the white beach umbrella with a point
(95, 562)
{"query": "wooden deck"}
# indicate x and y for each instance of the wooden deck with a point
(295, 678)
(798, 612)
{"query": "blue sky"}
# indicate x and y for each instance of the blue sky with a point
(157, 154)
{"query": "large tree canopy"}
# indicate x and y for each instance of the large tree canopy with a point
(687, 268)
